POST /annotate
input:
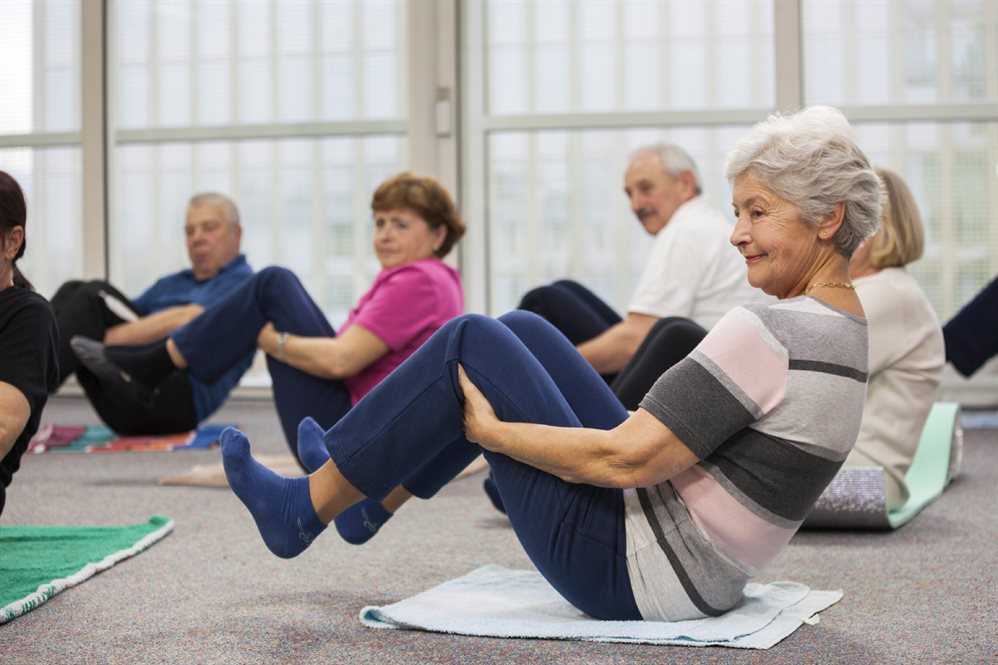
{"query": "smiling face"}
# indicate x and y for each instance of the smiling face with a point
(212, 241)
(782, 253)
(656, 194)
(401, 236)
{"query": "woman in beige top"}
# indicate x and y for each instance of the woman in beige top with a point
(906, 342)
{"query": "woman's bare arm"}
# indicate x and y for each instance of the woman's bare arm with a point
(639, 452)
(326, 357)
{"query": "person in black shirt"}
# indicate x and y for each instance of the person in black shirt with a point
(29, 340)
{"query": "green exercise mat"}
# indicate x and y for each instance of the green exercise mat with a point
(935, 463)
(37, 562)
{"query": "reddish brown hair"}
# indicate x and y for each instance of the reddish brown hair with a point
(426, 197)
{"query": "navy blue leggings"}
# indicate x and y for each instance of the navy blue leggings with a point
(571, 308)
(670, 340)
(222, 336)
(408, 431)
(580, 315)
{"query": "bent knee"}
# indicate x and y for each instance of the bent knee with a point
(477, 320)
(277, 279)
(676, 326)
(520, 319)
(535, 298)
(94, 286)
(461, 325)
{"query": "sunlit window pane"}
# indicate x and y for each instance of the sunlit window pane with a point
(39, 66)
(560, 56)
(950, 169)
(40, 93)
(50, 179)
(221, 62)
(898, 51)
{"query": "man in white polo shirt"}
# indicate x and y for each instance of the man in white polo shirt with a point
(692, 278)
(692, 272)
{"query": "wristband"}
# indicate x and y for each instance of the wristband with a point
(282, 338)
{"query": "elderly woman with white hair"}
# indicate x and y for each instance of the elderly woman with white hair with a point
(663, 514)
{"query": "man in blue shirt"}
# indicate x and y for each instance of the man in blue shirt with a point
(97, 310)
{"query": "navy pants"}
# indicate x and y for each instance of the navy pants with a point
(972, 335)
(409, 431)
(571, 308)
(221, 337)
(670, 340)
(581, 315)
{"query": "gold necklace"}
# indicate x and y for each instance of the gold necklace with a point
(833, 285)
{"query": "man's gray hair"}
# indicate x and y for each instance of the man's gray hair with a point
(674, 159)
(812, 159)
(227, 205)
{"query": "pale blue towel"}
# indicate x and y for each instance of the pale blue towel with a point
(493, 601)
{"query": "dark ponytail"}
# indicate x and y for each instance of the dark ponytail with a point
(22, 281)
(13, 213)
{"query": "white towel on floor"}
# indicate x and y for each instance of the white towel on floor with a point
(493, 601)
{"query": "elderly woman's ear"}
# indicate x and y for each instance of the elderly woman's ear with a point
(831, 225)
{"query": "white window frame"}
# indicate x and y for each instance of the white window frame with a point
(447, 128)
(477, 124)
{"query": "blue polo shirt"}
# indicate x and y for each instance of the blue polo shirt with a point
(182, 288)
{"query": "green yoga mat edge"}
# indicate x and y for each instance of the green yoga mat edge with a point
(926, 477)
(163, 526)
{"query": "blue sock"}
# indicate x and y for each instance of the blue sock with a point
(493, 491)
(281, 507)
(358, 523)
(311, 446)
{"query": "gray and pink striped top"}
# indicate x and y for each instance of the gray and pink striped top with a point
(770, 402)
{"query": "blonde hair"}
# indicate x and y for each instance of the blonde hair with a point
(901, 238)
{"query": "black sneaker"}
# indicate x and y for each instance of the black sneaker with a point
(91, 354)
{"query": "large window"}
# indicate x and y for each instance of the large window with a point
(561, 92)
(560, 56)
(920, 81)
(900, 52)
(39, 131)
(296, 109)
(616, 76)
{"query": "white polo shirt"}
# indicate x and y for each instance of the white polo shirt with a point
(693, 271)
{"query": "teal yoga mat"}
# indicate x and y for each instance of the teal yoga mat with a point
(930, 471)
(37, 562)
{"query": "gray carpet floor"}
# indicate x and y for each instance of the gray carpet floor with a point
(211, 593)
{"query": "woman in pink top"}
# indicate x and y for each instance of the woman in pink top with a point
(317, 372)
